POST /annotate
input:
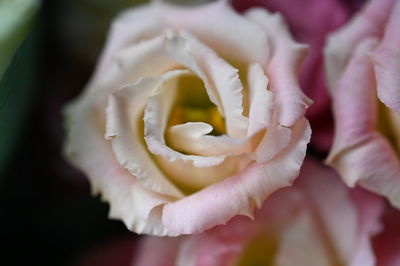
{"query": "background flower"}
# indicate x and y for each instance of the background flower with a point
(362, 63)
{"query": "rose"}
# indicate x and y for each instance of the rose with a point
(158, 166)
(311, 21)
(363, 70)
(296, 226)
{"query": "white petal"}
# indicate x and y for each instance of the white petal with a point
(192, 138)
(261, 100)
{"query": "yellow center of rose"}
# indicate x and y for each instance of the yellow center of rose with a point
(388, 123)
(194, 105)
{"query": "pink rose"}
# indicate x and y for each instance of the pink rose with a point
(318, 221)
(170, 156)
(363, 70)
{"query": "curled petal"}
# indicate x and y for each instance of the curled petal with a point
(283, 67)
(192, 138)
(261, 100)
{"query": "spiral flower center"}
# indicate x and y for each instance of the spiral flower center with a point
(194, 105)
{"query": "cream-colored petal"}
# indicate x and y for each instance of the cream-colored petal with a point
(261, 100)
(124, 116)
(221, 79)
(192, 138)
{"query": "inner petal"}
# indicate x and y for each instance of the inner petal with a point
(155, 121)
(220, 79)
(190, 171)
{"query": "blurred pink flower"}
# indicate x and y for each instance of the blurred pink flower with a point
(363, 71)
(310, 21)
(318, 221)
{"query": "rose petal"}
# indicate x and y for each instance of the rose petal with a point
(192, 138)
(261, 100)
(283, 67)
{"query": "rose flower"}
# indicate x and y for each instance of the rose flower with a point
(193, 116)
(363, 71)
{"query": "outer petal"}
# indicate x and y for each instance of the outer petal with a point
(242, 192)
(88, 150)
